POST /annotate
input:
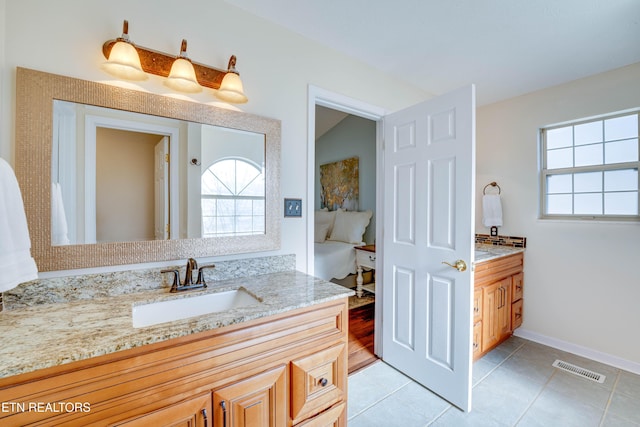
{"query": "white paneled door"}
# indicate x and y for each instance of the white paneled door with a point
(429, 178)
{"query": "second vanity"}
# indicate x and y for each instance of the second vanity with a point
(498, 296)
(281, 361)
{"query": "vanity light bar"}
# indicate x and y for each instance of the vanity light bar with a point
(159, 64)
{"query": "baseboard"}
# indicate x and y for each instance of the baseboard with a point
(579, 350)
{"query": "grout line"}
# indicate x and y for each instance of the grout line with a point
(553, 374)
(445, 410)
(606, 408)
(380, 400)
(509, 356)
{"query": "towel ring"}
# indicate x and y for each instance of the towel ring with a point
(493, 184)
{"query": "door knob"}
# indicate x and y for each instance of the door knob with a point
(459, 265)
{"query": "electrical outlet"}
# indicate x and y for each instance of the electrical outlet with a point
(292, 207)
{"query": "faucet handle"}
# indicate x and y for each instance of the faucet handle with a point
(176, 279)
(201, 274)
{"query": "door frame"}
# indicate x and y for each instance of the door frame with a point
(336, 101)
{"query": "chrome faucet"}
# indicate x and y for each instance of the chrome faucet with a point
(188, 283)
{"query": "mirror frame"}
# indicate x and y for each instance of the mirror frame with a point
(35, 92)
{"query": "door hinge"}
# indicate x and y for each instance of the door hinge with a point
(168, 228)
(166, 157)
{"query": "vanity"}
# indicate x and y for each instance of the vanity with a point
(278, 358)
(279, 362)
(497, 297)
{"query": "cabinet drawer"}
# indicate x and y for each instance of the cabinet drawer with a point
(516, 314)
(333, 417)
(517, 286)
(477, 305)
(365, 259)
(318, 381)
(477, 339)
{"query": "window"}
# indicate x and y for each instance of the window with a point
(233, 199)
(590, 169)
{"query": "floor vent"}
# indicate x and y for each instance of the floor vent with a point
(581, 372)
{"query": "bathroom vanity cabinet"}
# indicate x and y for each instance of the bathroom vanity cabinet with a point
(286, 369)
(498, 302)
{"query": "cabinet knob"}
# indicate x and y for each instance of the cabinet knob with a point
(323, 382)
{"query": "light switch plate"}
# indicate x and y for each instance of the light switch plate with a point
(293, 207)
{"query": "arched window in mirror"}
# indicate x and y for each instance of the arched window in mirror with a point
(233, 198)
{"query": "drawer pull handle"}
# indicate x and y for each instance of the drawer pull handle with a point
(518, 315)
(324, 382)
(372, 257)
(204, 415)
(224, 413)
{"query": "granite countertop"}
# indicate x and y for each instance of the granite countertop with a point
(48, 335)
(485, 252)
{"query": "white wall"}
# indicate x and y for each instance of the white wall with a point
(66, 37)
(582, 284)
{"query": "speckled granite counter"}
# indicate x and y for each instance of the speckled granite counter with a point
(52, 334)
(485, 253)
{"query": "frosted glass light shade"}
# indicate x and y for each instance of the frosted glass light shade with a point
(231, 89)
(182, 77)
(124, 62)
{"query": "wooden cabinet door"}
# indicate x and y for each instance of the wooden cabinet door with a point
(491, 297)
(496, 316)
(258, 401)
(190, 413)
(504, 308)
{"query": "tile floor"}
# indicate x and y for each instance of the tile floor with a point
(514, 385)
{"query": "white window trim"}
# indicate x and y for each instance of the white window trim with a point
(544, 172)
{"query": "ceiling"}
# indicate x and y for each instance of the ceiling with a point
(505, 47)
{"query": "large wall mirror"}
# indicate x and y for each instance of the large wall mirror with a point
(114, 176)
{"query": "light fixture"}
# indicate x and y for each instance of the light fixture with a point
(231, 87)
(182, 76)
(123, 60)
(227, 83)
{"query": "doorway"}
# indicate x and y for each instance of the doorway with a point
(342, 107)
(432, 143)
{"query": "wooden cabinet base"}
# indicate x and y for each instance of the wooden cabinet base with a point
(184, 380)
(498, 301)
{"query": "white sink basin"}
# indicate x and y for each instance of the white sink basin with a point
(183, 308)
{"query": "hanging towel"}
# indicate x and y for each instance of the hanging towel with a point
(59, 231)
(491, 210)
(16, 264)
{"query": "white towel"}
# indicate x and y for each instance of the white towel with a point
(16, 264)
(491, 210)
(59, 231)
